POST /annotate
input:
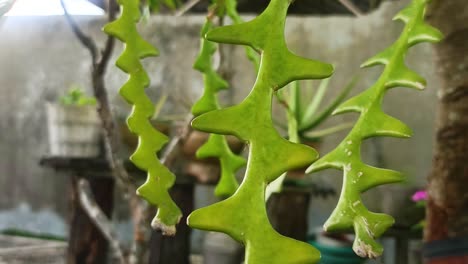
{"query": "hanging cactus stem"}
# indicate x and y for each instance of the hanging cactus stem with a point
(150, 141)
(216, 146)
(359, 177)
(243, 215)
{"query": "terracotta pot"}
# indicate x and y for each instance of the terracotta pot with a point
(206, 171)
(196, 139)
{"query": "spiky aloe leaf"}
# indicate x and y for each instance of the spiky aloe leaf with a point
(243, 215)
(216, 146)
(359, 177)
(160, 179)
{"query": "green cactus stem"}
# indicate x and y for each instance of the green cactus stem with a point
(216, 146)
(359, 177)
(160, 179)
(243, 215)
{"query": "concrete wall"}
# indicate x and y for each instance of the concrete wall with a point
(40, 58)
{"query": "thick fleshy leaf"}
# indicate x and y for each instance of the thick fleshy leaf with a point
(160, 179)
(243, 215)
(372, 122)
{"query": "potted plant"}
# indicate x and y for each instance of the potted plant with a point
(289, 196)
(73, 125)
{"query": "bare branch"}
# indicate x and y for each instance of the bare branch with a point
(172, 150)
(100, 220)
(186, 7)
(86, 40)
(109, 46)
(352, 7)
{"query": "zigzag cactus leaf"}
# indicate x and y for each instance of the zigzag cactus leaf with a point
(160, 179)
(243, 215)
(231, 11)
(216, 146)
(359, 177)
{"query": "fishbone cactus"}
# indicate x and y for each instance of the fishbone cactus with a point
(243, 216)
(216, 146)
(359, 177)
(160, 179)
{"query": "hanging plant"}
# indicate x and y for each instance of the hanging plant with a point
(243, 216)
(358, 176)
(160, 179)
(216, 145)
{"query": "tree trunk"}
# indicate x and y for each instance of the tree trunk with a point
(86, 244)
(447, 210)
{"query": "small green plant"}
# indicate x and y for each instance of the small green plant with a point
(76, 96)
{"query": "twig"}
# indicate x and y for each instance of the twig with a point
(109, 46)
(99, 66)
(352, 7)
(172, 149)
(86, 40)
(186, 7)
(98, 217)
(111, 137)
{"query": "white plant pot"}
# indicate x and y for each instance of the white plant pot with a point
(74, 131)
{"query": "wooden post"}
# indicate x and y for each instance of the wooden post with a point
(447, 207)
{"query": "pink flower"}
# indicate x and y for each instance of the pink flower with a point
(419, 196)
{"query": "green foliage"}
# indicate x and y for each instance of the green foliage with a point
(303, 112)
(243, 215)
(160, 179)
(359, 177)
(231, 11)
(75, 96)
(155, 5)
(216, 146)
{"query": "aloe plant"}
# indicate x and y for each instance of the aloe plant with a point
(216, 146)
(303, 118)
(243, 215)
(305, 113)
(358, 176)
(160, 179)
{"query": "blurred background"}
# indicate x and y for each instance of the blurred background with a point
(41, 60)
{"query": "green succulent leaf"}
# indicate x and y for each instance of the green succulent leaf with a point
(160, 179)
(311, 121)
(359, 177)
(231, 11)
(216, 146)
(243, 215)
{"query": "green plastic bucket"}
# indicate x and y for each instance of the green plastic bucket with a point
(337, 255)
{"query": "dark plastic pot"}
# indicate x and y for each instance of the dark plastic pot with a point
(337, 254)
(450, 251)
